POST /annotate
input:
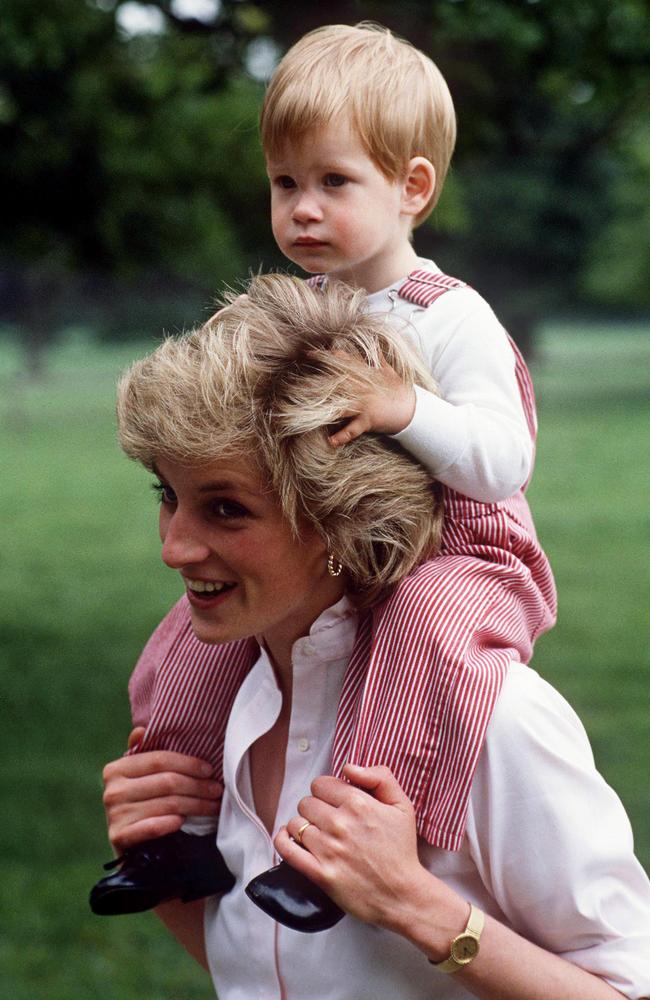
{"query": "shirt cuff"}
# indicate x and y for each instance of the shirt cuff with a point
(437, 434)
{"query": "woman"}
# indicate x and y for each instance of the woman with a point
(259, 515)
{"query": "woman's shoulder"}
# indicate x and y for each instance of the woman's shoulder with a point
(551, 839)
(531, 713)
(536, 772)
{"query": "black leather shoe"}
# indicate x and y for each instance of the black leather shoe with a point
(176, 866)
(293, 900)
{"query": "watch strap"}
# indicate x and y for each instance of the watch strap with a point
(472, 933)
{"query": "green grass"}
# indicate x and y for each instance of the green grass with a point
(590, 497)
(82, 587)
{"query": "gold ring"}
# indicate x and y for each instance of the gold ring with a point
(298, 837)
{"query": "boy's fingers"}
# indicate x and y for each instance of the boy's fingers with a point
(354, 429)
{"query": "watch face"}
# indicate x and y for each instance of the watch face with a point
(464, 948)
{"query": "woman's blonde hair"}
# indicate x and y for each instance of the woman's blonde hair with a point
(266, 380)
(394, 96)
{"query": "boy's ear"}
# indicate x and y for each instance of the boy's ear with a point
(419, 185)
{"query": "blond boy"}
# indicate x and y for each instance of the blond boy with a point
(358, 129)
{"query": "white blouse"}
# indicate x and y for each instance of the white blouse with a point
(548, 848)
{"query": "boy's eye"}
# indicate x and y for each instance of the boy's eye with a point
(286, 182)
(334, 180)
(164, 493)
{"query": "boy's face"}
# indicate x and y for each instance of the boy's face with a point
(333, 211)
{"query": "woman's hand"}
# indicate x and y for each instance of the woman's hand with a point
(148, 795)
(361, 846)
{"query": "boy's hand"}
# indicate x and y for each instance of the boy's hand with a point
(386, 408)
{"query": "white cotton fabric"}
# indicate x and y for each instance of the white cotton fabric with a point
(548, 848)
(474, 437)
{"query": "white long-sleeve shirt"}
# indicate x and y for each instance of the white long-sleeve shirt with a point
(547, 851)
(474, 437)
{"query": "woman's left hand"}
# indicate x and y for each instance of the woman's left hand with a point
(361, 844)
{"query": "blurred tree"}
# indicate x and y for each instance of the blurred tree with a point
(136, 184)
(543, 89)
(126, 165)
(618, 260)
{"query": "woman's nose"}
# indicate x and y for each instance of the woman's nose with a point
(306, 208)
(182, 544)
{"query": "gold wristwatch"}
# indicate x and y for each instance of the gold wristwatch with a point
(464, 947)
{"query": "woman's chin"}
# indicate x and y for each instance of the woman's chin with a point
(211, 632)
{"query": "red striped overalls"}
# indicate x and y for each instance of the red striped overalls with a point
(427, 665)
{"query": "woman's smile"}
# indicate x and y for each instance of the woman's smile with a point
(245, 572)
(207, 593)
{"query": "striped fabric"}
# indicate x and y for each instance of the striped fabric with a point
(173, 689)
(427, 665)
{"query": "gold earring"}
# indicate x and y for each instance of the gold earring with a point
(334, 567)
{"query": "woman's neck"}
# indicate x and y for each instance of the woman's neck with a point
(279, 642)
(281, 660)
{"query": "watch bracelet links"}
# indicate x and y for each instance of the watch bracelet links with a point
(473, 930)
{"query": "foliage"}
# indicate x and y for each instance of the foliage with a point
(137, 185)
(618, 262)
(539, 87)
(129, 172)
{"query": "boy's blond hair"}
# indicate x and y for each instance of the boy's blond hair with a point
(261, 381)
(395, 96)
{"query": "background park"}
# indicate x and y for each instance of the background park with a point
(134, 188)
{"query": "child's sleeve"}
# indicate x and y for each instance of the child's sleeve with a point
(474, 437)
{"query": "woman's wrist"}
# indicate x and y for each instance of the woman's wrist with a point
(429, 915)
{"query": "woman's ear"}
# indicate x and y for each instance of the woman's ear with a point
(419, 185)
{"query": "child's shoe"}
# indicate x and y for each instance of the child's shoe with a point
(177, 866)
(293, 900)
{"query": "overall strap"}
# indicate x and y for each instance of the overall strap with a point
(422, 287)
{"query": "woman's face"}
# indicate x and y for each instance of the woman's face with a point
(244, 572)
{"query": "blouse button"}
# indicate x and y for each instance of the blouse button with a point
(303, 744)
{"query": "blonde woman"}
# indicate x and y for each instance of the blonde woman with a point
(288, 550)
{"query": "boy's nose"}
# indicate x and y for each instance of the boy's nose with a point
(306, 209)
(181, 543)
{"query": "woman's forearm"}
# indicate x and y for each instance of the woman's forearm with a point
(507, 967)
(185, 921)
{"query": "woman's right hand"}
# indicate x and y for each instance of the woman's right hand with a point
(149, 794)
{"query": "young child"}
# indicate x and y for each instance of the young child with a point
(358, 129)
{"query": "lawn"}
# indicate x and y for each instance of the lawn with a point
(82, 587)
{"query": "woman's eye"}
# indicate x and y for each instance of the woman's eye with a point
(228, 509)
(285, 182)
(164, 493)
(334, 180)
